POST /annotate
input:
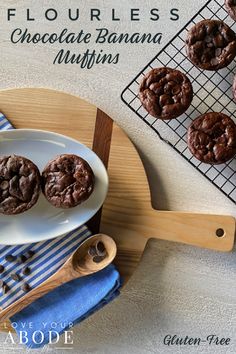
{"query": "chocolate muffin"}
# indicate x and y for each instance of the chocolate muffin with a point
(212, 138)
(165, 93)
(67, 181)
(19, 184)
(230, 6)
(211, 44)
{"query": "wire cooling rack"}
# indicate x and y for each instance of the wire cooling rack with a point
(212, 92)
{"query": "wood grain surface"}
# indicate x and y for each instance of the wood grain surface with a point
(127, 213)
(101, 146)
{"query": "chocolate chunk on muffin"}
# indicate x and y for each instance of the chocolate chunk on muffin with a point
(19, 184)
(211, 44)
(165, 93)
(212, 138)
(67, 181)
(230, 6)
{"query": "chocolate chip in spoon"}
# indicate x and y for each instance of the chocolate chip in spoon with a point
(98, 259)
(92, 251)
(97, 251)
(100, 249)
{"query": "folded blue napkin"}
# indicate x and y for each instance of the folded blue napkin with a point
(56, 312)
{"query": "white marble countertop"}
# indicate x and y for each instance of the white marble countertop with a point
(175, 185)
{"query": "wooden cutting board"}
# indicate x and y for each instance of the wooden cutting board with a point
(127, 214)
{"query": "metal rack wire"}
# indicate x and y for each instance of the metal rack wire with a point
(212, 92)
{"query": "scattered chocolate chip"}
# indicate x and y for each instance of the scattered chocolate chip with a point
(26, 271)
(15, 276)
(100, 249)
(21, 259)
(1, 269)
(10, 258)
(92, 251)
(25, 287)
(5, 288)
(98, 259)
(30, 253)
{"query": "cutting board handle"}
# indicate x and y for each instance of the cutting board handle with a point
(209, 231)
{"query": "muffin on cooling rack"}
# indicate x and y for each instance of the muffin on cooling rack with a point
(212, 138)
(211, 44)
(19, 184)
(165, 93)
(230, 6)
(67, 181)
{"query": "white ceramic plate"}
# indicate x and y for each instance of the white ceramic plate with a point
(43, 221)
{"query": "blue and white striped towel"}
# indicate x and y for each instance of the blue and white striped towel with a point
(49, 256)
(4, 123)
(95, 291)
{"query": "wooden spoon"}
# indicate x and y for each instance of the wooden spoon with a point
(79, 264)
